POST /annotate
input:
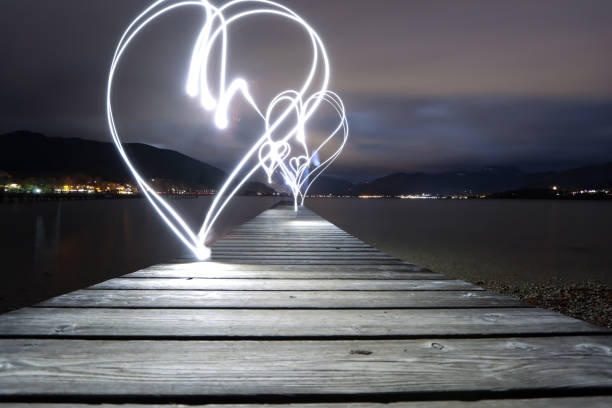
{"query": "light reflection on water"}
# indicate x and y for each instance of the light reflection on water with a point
(51, 248)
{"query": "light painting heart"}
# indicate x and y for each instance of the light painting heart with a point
(289, 155)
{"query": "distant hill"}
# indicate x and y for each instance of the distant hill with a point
(26, 154)
(487, 180)
(599, 176)
(324, 185)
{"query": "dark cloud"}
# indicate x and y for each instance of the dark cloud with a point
(437, 134)
(429, 85)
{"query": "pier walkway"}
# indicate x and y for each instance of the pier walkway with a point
(292, 310)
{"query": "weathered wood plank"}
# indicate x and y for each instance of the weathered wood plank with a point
(207, 368)
(281, 245)
(571, 402)
(296, 249)
(290, 232)
(346, 259)
(312, 234)
(250, 323)
(349, 256)
(302, 253)
(226, 266)
(272, 239)
(266, 274)
(282, 299)
(294, 242)
(276, 241)
(283, 284)
(290, 261)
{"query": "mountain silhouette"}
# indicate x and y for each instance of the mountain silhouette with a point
(27, 154)
(487, 180)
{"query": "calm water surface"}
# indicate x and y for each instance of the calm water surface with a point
(507, 240)
(51, 248)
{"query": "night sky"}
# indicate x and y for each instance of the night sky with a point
(431, 85)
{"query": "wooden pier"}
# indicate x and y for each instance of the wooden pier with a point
(293, 311)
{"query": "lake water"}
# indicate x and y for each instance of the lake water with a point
(511, 241)
(52, 248)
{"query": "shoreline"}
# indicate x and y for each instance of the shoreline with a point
(552, 254)
(587, 300)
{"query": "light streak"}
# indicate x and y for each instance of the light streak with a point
(300, 169)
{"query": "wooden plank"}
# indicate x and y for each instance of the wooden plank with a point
(296, 249)
(226, 266)
(303, 255)
(295, 261)
(249, 323)
(312, 237)
(283, 284)
(347, 258)
(257, 244)
(264, 274)
(296, 368)
(290, 232)
(571, 402)
(273, 239)
(293, 230)
(282, 299)
(293, 241)
(272, 230)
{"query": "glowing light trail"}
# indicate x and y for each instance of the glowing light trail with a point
(298, 170)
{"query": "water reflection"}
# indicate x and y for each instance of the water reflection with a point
(51, 248)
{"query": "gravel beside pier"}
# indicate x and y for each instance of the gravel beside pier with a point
(589, 301)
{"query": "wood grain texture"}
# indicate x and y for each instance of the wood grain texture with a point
(350, 257)
(285, 323)
(303, 254)
(280, 246)
(572, 402)
(283, 284)
(297, 261)
(282, 299)
(287, 274)
(228, 266)
(204, 368)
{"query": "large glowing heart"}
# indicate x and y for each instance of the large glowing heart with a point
(271, 155)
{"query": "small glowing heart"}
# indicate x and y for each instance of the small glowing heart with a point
(298, 169)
